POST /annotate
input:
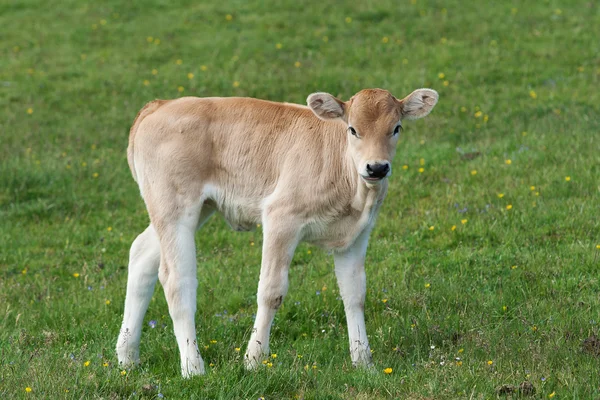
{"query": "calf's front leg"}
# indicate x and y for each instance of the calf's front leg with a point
(350, 273)
(279, 242)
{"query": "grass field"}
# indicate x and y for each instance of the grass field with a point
(483, 269)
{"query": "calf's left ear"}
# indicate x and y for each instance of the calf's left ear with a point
(418, 104)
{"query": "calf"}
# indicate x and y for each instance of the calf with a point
(315, 174)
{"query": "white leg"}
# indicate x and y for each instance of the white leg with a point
(144, 258)
(350, 273)
(280, 241)
(177, 274)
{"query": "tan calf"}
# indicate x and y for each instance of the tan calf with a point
(320, 180)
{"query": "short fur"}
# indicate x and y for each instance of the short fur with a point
(254, 161)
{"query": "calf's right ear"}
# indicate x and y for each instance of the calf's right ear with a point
(326, 106)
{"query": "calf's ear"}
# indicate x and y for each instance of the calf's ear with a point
(326, 106)
(418, 104)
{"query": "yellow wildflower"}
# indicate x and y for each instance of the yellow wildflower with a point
(237, 349)
(180, 89)
(385, 39)
(190, 75)
(421, 170)
(533, 94)
(509, 207)
(236, 84)
(76, 275)
(508, 162)
(86, 364)
(551, 395)
(441, 75)
(179, 62)
(431, 227)
(387, 371)
(453, 227)
(123, 372)
(500, 195)
(348, 20)
(229, 17)
(28, 389)
(463, 221)
(384, 301)
(427, 285)
(567, 178)
(478, 114)
(297, 64)
(474, 172)
(107, 302)
(30, 111)
(213, 342)
(490, 362)
(405, 167)
(203, 67)
(278, 46)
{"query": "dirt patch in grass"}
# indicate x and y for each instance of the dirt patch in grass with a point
(524, 389)
(591, 345)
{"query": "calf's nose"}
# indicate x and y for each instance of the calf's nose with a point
(378, 170)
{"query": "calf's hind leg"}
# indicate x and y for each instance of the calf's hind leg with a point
(177, 274)
(144, 258)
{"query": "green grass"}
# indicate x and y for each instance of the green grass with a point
(522, 85)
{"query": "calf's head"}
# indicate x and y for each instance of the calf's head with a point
(374, 118)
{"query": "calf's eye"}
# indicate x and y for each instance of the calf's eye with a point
(397, 129)
(352, 130)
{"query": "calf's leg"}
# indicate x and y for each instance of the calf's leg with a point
(177, 274)
(280, 239)
(350, 273)
(144, 259)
